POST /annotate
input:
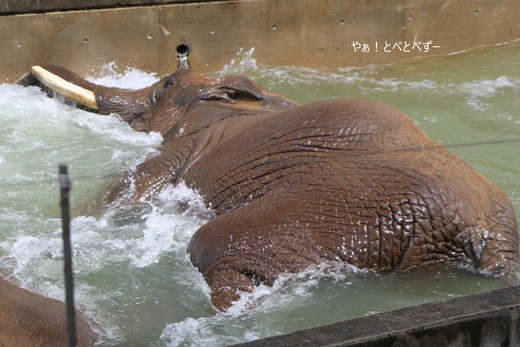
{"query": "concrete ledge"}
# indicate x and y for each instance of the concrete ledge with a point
(486, 319)
(315, 34)
(9, 7)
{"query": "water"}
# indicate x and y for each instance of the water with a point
(132, 274)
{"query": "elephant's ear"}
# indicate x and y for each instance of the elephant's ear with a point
(243, 91)
(236, 88)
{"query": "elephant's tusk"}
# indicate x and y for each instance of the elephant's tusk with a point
(69, 90)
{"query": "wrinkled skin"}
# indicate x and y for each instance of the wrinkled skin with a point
(28, 319)
(340, 180)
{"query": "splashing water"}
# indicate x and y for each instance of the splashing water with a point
(131, 78)
(133, 276)
(244, 61)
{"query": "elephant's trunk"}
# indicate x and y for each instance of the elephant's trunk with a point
(129, 104)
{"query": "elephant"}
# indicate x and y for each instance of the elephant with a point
(290, 186)
(29, 319)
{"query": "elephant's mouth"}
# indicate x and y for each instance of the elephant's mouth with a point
(69, 90)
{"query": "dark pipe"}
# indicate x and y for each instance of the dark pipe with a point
(182, 52)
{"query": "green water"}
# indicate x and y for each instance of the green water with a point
(132, 274)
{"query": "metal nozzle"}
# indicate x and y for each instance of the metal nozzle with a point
(182, 52)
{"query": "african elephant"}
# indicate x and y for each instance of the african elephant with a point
(28, 319)
(350, 181)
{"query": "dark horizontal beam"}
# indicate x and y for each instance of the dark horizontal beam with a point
(10, 7)
(485, 319)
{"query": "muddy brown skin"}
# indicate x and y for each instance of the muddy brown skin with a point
(28, 319)
(349, 181)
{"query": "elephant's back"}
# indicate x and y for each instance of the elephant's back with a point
(353, 145)
(268, 149)
(344, 124)
(350, 181)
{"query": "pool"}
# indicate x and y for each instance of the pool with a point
(132, 274)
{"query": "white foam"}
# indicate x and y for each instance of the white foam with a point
(219, 330)
(196, 332)
(489, 87)
(135, 236)
(131, 78)
(394, 84)
(296, 287)
(170, 224)
(185, 200)
(158, 237)
(288, 292)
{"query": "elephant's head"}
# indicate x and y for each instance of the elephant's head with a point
(179, 104)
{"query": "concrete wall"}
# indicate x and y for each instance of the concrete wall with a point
(308, 33)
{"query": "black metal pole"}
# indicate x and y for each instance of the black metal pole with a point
(67, 255)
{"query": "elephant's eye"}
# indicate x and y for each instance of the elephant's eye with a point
(169, 82)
